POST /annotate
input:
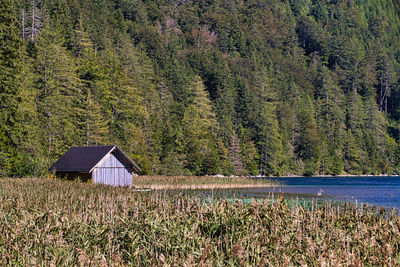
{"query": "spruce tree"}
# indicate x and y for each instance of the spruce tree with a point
(10, 67)
(331, 120)
(266, 121)
(308, 141)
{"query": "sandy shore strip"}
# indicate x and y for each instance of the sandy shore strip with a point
(204, 186)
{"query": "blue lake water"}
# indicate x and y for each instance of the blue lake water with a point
(381, 191)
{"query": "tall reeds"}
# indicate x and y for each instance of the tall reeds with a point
(49, 222)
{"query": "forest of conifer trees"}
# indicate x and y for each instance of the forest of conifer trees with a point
(240, 87)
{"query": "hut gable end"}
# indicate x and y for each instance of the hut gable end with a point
(114, 160)
(113, 170)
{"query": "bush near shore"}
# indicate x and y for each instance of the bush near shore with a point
(50, 222)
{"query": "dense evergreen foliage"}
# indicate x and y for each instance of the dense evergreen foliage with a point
(202, 87)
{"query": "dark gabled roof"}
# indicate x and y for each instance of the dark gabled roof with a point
(86, 158)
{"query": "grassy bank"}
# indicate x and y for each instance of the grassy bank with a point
(44, 222)
(199, 182)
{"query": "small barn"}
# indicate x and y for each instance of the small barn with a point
(103, 164)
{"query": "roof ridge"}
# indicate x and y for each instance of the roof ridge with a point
(95, 146)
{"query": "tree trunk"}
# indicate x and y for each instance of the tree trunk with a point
(33, 20)
(23, 24)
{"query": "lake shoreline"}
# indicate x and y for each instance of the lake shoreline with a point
(327, 176)
(199, 182)
(205, 186)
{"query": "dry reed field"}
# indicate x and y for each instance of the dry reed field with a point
(199, 182)
(53, 223)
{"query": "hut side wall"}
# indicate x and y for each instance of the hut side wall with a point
(114, 170)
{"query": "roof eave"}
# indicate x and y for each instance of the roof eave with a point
(135, 167)
(102, 159)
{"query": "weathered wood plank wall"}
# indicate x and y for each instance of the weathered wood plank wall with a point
(114, 170)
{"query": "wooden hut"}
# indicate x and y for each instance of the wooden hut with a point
(103, 164)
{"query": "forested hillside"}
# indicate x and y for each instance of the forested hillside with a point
(203, 87)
